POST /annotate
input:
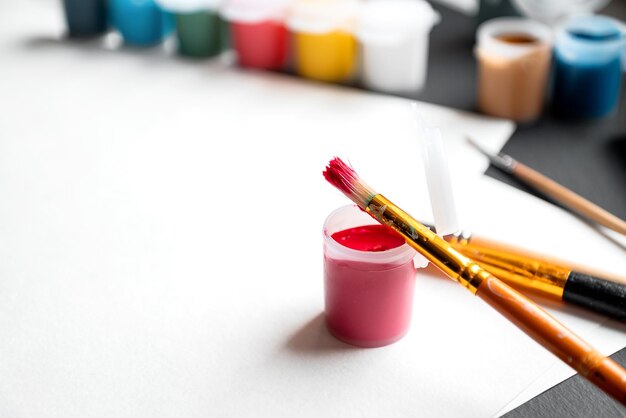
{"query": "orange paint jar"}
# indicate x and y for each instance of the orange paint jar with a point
(514, 58)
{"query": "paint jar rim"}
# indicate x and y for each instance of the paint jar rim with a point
(190, 6)
(351, 216)
(323, 16)
(574, 48)
(255, 11)
(488, 43)
(393, 21)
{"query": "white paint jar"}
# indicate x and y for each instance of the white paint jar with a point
(393, 37)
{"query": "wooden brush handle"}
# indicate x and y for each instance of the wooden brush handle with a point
(569, 199)
(547, 331)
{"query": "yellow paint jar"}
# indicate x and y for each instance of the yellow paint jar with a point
(324, 46)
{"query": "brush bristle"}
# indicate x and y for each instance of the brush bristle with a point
(344, 178)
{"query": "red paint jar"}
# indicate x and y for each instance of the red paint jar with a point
(368, 288)
(258, 33)
(260, 45)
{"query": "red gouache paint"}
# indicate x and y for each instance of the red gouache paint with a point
(262, 45)
(369, 238)
(369, 277)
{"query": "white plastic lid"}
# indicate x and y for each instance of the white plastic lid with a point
(489, 31)
(189, 6)
(591, 39)
(252, 11)
(551, 11)
(437, 175)
(394, 20)
(322, 16)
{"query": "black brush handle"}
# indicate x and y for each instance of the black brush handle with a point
(597, 294)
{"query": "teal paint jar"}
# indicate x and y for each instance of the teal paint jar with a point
(588, 67)
(140, 22)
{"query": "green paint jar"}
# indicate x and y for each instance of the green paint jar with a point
(199, 28)
(199, 34)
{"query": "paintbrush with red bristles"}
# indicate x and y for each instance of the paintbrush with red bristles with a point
(525, 314)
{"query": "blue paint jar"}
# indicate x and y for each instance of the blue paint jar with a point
(86, 18)
(140, 22)
(588, 67)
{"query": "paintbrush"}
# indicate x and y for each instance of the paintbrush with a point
(545, 276)
(525, 271)
(553, 190)
(534, 321)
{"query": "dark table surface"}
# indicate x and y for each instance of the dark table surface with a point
(575, 398)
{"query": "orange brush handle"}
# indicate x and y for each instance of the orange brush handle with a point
(526, 315)
(547, 331)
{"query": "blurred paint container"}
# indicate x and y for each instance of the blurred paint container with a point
(323, 42)
(86, 18)
(258, 32)
(140, 22)
(514, 58)
(588, 67)
(199, 28)
(393, 36)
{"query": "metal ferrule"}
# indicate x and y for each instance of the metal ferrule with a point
(504, 162)
(522, 270)
(427, 243)
(461, 237)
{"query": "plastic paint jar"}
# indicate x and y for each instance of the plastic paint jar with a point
(323, 42)
(514, 58)
(368, 294)
(258, 32)
(86, 18)
(588, 67)
(199, 28)
(140, 22)
(393, 37)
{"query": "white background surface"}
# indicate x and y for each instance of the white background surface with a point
(160, 243)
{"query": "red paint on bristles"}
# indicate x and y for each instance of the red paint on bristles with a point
(344, 178)
(340, 175)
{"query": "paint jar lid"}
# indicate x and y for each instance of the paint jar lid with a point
(322, 16)
(594, 28)
(390, 21)
(553, 11)
(437, 172)
(189, 6)
(489, 32)
(351, 216)
(591, 39)
(254, 11)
